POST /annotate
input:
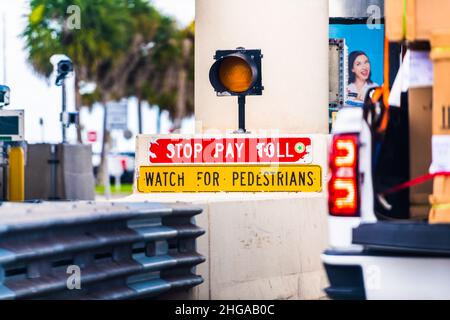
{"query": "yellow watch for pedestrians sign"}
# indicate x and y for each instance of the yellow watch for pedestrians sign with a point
(230, 178)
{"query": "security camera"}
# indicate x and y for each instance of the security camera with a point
(63, 67)
(4, 95)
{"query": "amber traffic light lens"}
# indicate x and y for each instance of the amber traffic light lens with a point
(235, 74)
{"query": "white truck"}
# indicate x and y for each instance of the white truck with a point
(374, 252)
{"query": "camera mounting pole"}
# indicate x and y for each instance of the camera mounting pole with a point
(64, 108)
(64, 68)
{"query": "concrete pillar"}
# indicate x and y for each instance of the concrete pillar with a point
(262, 245)
(293, 36)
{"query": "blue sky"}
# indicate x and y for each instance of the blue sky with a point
(36, 96)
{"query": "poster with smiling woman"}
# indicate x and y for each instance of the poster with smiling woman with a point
(359, 77)
(365, 46)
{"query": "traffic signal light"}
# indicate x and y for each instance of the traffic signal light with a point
(237, 73)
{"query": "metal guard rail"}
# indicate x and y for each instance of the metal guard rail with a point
(122, 250)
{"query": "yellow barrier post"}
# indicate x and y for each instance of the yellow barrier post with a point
(16, 176)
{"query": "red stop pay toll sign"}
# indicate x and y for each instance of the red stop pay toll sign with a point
(230, 150)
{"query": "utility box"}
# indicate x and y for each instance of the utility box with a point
(73, 170)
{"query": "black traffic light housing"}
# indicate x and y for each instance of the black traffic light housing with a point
(250, 60)
(251, 57)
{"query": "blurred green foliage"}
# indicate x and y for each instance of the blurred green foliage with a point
(126, 47)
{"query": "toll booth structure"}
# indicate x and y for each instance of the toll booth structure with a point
(258, 245)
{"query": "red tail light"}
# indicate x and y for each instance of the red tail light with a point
(343, 189)
(123, 163)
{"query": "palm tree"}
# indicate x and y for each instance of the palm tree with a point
(147, 80)
(103, 35)
(168, 79)
(112, 80)
(185, 85)
(126, 47)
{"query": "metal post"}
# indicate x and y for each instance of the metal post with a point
(106, 181)
(241, 102)
(63, 114)
(41, 123)
(4, 166)
(5, 181)
(158, 120)
(53, 173)
(104, 155)
(140, 116)
(16, 174)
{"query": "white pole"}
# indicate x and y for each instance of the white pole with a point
(4, 46)
(107, 182)
(117, 183)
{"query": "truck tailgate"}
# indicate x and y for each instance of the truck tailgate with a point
(404, 237)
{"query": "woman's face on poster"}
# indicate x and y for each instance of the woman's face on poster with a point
(361, 67)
